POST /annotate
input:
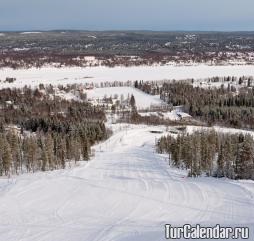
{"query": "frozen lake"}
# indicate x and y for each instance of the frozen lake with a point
(67, 75)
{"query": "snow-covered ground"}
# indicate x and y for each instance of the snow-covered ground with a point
(24, 33)
(143, 100)
(219, 129)
(127, 193)
(65, 75)
(174, 115)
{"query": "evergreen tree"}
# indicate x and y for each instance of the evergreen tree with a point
(6, 157)
(49, 151)
(220, 162)
(133, 102)
(229, 159)
(246, 159)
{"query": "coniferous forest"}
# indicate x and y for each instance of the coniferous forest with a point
(39, 131)
(218, 155)
(213, 106)
(224, 105)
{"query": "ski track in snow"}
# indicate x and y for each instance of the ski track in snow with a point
(127, 193)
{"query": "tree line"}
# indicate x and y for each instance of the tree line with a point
(218, 155)
(40, 132)
(212, 105)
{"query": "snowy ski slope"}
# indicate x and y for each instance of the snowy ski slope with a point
(127, 193)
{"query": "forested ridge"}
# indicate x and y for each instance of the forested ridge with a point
(41, 132)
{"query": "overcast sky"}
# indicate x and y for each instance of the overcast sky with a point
(127, 14)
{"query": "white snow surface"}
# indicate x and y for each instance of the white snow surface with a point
(24, 33)
(127, 193)
(143, 100)
(68, 75)
(174, 115)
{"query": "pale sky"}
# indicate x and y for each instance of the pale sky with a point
(207, 15)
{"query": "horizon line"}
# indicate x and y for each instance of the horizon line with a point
(119, 30)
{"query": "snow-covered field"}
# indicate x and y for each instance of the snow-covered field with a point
(143, 100)
(174, 115)
(51, 75)
(24, 33)
(127, 193)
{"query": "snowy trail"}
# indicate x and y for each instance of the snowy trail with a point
(127, 193)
